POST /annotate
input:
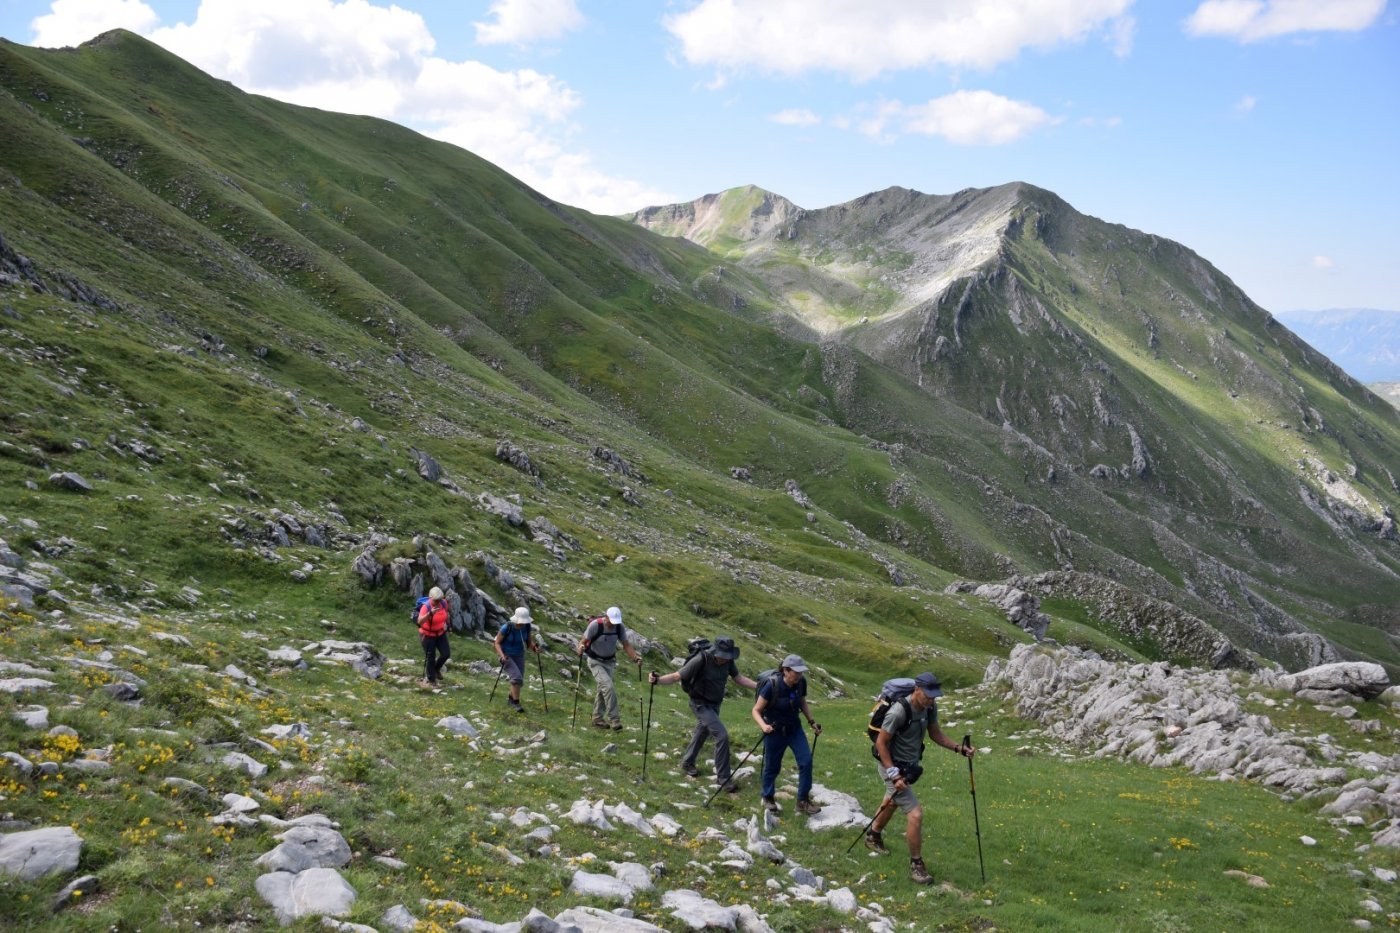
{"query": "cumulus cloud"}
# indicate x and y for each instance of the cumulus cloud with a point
(964, 118)
(353, 56)
(865, 39)
(519, 22)
(1253, 20)
(796, 117)
(1322, 262)
(73, 22)
(1246, 103)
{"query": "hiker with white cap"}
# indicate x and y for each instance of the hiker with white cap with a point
(433, 617)
(905, 712)
(703, 677)
(781, 698)
(512, 640)
(599, 646)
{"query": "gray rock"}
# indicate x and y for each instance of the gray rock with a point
(33, 717)
(390, 862)
(1363, 679)
(14, 685)
(306, 847)
(71, 481)
(88, 765)
(698, 912)
(842, 900)
(512, 513)
(184, 786)
(19, 762)
(38, 852)
(314, 892)
(536, 921)
(597, 920)
(241, 762)
(122, 691)
(458, 725)
(76, 889)
(397, 919)
(237, 803)
(607, 887)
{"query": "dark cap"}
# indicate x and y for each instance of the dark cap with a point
(725, 649)
(929, 685)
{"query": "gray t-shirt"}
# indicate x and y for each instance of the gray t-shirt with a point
(709, 685)
(603, 641)
(907, 732)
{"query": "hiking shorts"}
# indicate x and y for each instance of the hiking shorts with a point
(905, 799)
(514, 668)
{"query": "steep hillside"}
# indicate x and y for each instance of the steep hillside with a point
(1122, 369)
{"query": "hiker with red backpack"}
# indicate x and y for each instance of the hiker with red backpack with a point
(703, 677)
(511, 641)
(906, 712)
(782, 696)
(433, 616)
(599, 645)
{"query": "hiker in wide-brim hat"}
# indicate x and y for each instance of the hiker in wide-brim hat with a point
(512, 640)
(781, 699)
(703, 677)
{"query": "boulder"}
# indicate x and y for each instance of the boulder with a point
(74, 890)
(597, 920)
(311, 893)
(35, 853)
(1364, 679)
(33, 717)
(71, 481)
(241, 762)
(305, 847)
(15, 685)
(698, 912)
(607, 887)
(397, 919)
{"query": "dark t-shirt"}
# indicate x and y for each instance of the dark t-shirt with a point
(709, 685)
(784, 702)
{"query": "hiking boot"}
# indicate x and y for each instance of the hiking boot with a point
(690, 770)
(876, 843)
(616, 726)
(919, 872)
(730, 787)
(806, 806)
(599, 722)
(771, 805)
(515, 705)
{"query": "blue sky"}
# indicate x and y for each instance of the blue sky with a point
(1263, 134)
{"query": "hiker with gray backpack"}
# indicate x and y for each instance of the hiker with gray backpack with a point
(599, 645)
(782, 696)
(703, 677)
(906, 711)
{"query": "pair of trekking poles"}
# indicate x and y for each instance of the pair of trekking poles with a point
(539, 663)
(976, 821)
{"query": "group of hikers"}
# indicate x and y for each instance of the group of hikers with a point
(906, 713)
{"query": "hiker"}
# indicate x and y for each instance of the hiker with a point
(599, 645)
(703, 678)
(780, 699)
(432, 632)
(511, 641)
(899, 746)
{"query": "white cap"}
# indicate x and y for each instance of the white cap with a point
(614, 615)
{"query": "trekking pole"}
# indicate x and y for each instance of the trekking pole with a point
(976, 822)
(539, 662)
(578, 679)
(885, 803)
(761, 737)
(500, 669)
(646, 735)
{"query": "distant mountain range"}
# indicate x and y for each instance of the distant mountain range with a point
(1363, 341)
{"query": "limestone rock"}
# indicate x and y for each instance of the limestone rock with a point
(241, 762)
(311, 893)
(71, 481)
(458, 725)
(35, 853)
(597, 920)
(1363, 679)
(607, 887)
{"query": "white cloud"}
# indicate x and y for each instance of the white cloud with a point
(519, 22)
(865, 39)
(1121, 32)
(353, 56)
(965, 118)
(1246, 103)
(1252, 20)
(1322, 262)
(73, 22)
(796, 117)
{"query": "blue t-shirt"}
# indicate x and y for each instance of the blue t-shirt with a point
(516, 638)
(784, 702)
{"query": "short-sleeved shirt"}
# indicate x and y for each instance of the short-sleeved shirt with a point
(907, 731)
(709, 685)
(515, 640)
(603, 642)
(784, 702)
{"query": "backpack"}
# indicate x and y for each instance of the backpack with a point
(692, 648)
(418, 607)
(896, 690)
(619, 629)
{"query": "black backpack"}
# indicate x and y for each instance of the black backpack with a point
(692, 648)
